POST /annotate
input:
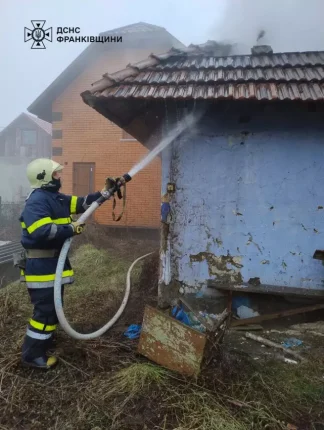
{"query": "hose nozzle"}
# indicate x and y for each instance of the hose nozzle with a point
(125, 178)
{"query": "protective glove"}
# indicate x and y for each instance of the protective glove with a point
(110, 183)
(105, 188)
(77, 227)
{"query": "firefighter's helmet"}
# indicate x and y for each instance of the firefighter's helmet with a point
(40, 171)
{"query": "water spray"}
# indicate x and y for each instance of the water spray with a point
(115, 187)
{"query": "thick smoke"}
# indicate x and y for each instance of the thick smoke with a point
(286, 25)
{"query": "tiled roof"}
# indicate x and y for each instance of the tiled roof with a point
(200, 72)
(46, 126)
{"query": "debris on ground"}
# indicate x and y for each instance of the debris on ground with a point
(182, 341)
(133, 331)
(288, 360)
(291, 342)
(246, 312)
(314, 327)
(272, 344)
(170, 343)
(104, 384)
(241, 305)
(278, 315)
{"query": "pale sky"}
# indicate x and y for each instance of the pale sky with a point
(25, 73)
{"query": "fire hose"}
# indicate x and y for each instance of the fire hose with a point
(115, 188)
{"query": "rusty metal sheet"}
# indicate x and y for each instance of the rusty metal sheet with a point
(170, 343)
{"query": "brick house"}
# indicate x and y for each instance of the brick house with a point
(24, 139)
(89, 146)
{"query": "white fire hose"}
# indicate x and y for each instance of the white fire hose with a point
(58, 286)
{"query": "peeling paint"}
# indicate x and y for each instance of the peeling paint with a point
(218, 266)
(208, 233)
(218, 241)
(315, 231)
(164, 236)
(170, 343)
(237, 213)
(284, 265)
(264, 181)
(255, 244)
(265, 262)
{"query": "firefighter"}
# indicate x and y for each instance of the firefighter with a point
(46, 224)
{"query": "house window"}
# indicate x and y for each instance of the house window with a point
(56, 116)
(28, 137)
(127, 136)
(57, 134)
(57, 151)
(28, 146)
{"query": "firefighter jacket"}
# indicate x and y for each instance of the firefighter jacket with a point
(45, 226)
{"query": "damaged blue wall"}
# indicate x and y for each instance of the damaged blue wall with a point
(249, 201)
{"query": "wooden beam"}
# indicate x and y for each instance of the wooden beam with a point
(268, 289)
(260, 318)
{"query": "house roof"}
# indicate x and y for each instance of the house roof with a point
(134, 28)
(42, 106)
(47, 127)
(201, 72)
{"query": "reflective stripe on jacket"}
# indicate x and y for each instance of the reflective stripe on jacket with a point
(45, 225)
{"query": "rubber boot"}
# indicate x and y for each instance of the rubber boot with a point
(51, 344)
(44, 363)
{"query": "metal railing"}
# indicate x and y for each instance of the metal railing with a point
(7, 251)
(10, 229)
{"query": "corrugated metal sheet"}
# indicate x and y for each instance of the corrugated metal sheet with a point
(194, 72)
(7, 249)
(267, 91)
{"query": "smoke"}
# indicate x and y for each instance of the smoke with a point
(286, 25)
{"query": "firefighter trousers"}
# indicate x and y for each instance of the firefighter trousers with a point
(42, 325)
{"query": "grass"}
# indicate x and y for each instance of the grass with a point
(200, 410)
(135, 379)
(100, 280)
(103, 384)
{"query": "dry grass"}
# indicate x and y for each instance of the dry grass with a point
(134, 379)
(103, 384)
(100, 280)
(199, 410)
